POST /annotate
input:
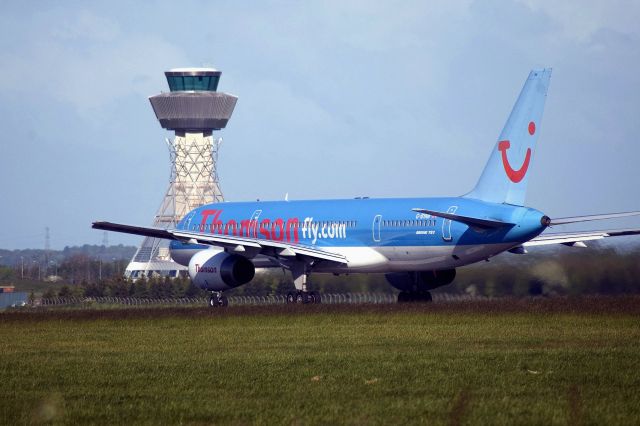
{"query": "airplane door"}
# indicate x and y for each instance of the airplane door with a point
(254, 223)
(446, 225)
(376, 228)
(187, 223)
(256, 214)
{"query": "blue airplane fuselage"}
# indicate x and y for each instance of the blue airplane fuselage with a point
(374, 234)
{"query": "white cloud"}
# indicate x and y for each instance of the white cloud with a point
(383, 26)
(88, 62)
(580, 20)
(85, 25)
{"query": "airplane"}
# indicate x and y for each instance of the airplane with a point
(417, 242)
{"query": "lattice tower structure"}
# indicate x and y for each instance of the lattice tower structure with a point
(193, 110)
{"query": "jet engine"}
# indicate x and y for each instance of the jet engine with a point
(217, 271)
(420, 281)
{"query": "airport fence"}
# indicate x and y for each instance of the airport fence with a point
(327, 298)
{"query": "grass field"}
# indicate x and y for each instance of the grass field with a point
(555, 361)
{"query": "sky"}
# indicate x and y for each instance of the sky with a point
(337, 99)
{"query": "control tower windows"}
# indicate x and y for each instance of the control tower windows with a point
(198, 83)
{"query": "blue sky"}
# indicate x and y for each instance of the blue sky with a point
(336, 99)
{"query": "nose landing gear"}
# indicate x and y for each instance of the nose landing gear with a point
(217, 300)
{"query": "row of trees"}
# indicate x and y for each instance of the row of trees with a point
(264, 284)
(563, 272)
(117, 287)
(89, 263)
(74, 270)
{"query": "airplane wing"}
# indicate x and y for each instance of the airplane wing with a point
(577, 238)
(233, 243)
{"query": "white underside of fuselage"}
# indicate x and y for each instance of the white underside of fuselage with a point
(386, 259)
(410, 258)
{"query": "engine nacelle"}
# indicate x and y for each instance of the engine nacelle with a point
(217, 271)
(420, 281)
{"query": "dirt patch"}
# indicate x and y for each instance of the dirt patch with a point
(460, 408)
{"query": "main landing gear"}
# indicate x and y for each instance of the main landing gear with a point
(217, 300)
(414, 296)
(304, 297)
(301, 295)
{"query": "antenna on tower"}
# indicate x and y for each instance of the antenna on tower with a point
(47, 248)
(47, 240)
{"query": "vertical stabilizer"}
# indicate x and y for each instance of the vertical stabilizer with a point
(504, 179)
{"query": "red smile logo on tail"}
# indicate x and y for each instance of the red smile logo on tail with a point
(516, 175)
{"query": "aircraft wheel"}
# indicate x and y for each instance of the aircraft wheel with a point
(303, 297)
(216, 300)
(404, 297)
(424, 297)
(315, 297)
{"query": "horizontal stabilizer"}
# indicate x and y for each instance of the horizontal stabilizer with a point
(470, 221)
(576, 219)
(577, 239)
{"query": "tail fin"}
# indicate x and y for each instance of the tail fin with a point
(504, 179)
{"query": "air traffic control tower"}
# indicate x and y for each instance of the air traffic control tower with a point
(193, 109)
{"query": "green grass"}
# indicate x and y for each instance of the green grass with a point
(561, 361)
